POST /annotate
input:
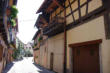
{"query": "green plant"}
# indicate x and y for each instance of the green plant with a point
(32, 46)
(16, 53)
(14, 12)
(37, 48)
(36, 57)
(13, 22)
(40, 38)
(35, 44)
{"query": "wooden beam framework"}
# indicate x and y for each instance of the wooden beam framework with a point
(54, 26)
(87, 18)
(76, 8)
(71, 10)
(79, 9)
(59, 4)
(87, 6)
(84, 18)
(86, 43)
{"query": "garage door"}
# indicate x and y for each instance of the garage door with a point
(86, 59)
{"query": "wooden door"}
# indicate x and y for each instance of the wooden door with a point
(1, 52)
(86, 59)
(51, 61)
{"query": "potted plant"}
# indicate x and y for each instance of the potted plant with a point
(14, 12)
(13, 22)
(35, 44)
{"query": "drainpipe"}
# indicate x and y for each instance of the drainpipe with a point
(65, 36)
(65, 42)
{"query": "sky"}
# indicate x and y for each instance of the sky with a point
(26, 19)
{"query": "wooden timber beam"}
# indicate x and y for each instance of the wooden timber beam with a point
(79, 8)
(87, 6)
(57, 3)
(71, 10)
(44, 20)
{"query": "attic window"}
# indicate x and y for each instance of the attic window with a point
(107, 24)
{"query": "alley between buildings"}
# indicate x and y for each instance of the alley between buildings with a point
(64, 36)
(25, 66)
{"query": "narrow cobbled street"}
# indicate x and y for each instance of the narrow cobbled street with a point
(25, 66)
(54, 36)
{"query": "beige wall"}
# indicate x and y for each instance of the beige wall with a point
(36, 56)
(91, 30)
(42, 56)
(56, 46)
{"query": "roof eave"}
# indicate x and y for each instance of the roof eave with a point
(39, 10)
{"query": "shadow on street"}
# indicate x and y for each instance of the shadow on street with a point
(43, 70)
(8, 67)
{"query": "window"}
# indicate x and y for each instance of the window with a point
(107, 24)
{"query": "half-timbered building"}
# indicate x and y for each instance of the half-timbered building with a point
(78, 35)
(5, 34)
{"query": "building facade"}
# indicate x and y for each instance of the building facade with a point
(5, 33)
(78, 35)
(28, 49)
(36, 46)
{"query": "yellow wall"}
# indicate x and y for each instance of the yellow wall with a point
(56, 46)
(42, 56)
(92, 30)
(36, 56)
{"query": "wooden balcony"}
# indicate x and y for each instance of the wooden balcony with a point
(3, 32)
(13, 44)
(55, 26)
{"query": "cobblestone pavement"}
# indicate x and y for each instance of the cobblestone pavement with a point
(25, 66)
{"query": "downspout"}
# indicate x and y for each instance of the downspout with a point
(65, 41)
(65, 36)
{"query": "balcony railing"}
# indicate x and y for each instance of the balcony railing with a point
(55, 26)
